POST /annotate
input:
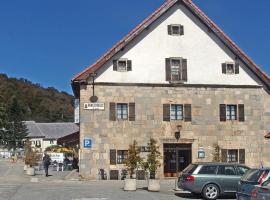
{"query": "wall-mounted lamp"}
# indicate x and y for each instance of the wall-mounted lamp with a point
(93, 98)
(177, 133)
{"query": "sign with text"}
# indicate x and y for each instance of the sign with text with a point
(58, 157)
(87, 143)
(76, 111)
(94, 106)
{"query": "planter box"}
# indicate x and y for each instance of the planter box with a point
(154, 185)
(30, 171)
(130, 184)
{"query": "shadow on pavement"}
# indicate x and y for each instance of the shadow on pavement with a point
(194, 196)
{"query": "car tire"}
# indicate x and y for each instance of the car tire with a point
(210, 192)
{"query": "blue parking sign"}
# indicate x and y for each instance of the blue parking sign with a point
(87, 143)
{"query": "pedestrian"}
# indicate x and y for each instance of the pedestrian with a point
(46, 163)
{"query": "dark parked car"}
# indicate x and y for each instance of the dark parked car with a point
(261, 192)
(247, 183)
(211, 179)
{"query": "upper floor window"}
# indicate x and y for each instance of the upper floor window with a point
(122, 65)
(122, 111)
(175, 29)
(121, 156)
(176, 69)
(176, 112)
(230, 68)
(232, 112)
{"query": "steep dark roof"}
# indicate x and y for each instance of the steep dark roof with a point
(154, 16)
(50, 130)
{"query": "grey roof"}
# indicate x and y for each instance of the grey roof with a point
(50, 130)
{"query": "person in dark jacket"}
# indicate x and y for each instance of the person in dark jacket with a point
(46, 163)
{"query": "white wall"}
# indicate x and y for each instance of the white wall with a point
(204, 52)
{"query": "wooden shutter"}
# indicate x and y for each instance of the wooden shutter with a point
(181, 30)
(184, 69)
(222, 112)
(223, 155)
(129, 65)
(242, 156)
(168, 69)
(187, 112)
(223, 65)
(114, 65)
(241, 112)
(131, 112)
(112, 112)
(112, 156)
(166, 112)
(236, 70)
(169, 29)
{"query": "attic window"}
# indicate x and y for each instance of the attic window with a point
(175, 29)
(122, 65)
(230, 68)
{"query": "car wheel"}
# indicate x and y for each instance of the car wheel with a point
(211, 192)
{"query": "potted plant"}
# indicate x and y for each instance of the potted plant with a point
(153, 163)
(132, 162)
(31, 158)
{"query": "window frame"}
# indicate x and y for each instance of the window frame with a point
(121, 118)
(181, 116)
(233, 66)
(180, 69)
(121, 156)
(126, 65)
(229, 110)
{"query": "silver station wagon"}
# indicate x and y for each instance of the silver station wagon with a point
(211, 179)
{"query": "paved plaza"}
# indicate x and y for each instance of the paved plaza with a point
(15, 185)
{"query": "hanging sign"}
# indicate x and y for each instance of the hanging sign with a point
(94, 106)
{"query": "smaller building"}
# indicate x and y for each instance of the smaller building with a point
(43, 135)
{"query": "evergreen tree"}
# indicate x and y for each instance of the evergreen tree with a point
(2, 121)
(16, 129)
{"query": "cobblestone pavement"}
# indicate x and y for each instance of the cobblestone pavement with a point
(15, 185)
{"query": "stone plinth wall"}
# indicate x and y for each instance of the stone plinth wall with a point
(204, 130)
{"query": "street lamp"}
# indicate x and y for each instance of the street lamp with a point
(93, 98)
(177, 133)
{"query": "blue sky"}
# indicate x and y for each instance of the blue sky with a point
(48, 42)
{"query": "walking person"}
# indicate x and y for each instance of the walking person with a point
(46, 163)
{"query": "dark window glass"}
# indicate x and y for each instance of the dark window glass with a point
(252, 175)
(122, 65)
(190, 169)
(242, 170)
(175, 30)
(226, 170)
(231, 112)
(122, 111)
(230, 69)
(232, 155)
(121, 156)
(208, 169)
(176, 112)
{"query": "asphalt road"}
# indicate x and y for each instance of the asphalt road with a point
(15, 185)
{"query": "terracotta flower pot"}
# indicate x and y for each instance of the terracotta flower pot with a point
(153, 185)
(130, 184)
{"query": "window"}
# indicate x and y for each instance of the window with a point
(226, 170)
(233, 155)
(176, 69)
(121, 156)
(175, 29)
(176, 112)
(231, 112)
(51, 141)
(208, 169)
(122, 65)
(122, 111)
(230, 68)
(242, 170)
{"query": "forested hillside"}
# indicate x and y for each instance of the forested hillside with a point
(38, 103)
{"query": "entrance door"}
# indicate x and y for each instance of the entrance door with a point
(176, 158)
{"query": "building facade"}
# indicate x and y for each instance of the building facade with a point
(178, 79)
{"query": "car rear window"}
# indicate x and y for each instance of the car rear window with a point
(208, 169)
(252, 175)
(190, 169)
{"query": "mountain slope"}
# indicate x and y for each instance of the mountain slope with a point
(39, 104)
